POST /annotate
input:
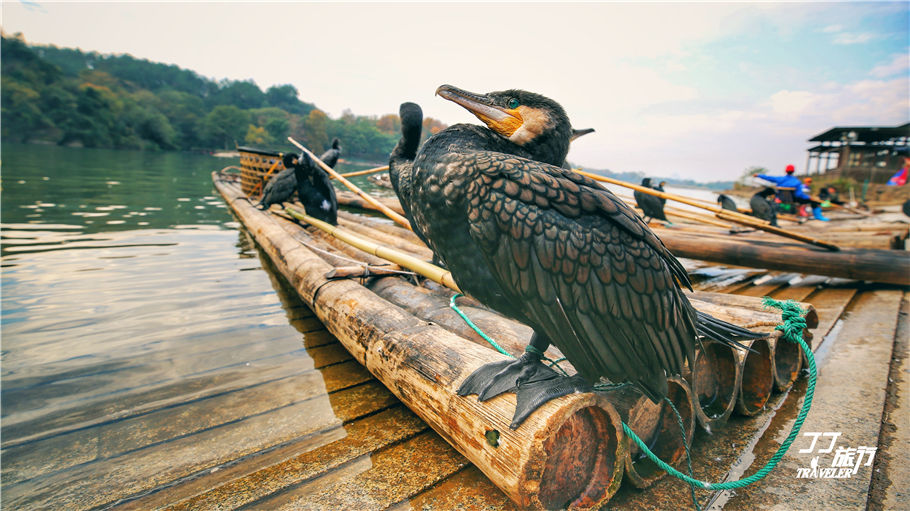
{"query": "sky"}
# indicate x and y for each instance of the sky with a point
(690, 90)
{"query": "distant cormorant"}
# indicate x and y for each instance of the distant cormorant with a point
(727, 203)
(331, 156)
(316, 191)
(651, 206)
(550, 248)
(763, 209)
(282, 185)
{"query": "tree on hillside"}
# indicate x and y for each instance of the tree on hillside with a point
(224, 126)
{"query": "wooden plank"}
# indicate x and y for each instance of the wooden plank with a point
(109, 480)
(117, 437)
(849, 399)
(377, 481)
(263, 475)
(150, 398)
(466, 489)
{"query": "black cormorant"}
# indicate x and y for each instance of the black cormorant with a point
(763, 209)
(651, 206)
(331, 156)
(316, 191)
(727, 203)
(660, 188)
(282, 185)
(552, 249)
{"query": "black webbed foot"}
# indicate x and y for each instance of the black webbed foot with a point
(532, 382)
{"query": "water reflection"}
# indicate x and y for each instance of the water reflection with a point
(141, 341)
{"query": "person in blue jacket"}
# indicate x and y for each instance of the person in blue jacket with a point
(800, 190)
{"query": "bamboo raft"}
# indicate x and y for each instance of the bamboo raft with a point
(569, 453)
(318, 428)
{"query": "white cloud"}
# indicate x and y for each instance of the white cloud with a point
(832, 29)
(899, 64)
(848, 38)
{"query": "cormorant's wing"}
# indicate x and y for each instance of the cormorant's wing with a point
(584, 267)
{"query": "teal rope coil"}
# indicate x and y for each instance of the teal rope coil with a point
(794, 323)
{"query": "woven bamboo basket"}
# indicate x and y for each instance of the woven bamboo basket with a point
(255, 165)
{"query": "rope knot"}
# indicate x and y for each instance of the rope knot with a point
(793, 316)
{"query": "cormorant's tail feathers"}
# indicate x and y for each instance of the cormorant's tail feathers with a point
(726, 333)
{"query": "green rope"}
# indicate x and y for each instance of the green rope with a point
(794, 323)
(472, 325)
(792, 327)
(685, 440)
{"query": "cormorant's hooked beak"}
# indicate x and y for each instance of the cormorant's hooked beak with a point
(502, 120)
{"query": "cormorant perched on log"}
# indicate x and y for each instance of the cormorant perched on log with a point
(316, 191)
(727, 203)
(651, 206)
(331, 156)
(282, 185)
(552, 249)
(763, 209)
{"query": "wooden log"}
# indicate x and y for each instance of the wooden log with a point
(345, 272)
(787, 360)
(350, 199)
(715, 378)
(886, 266)
(383, 226)
(569, 453)
(658, 426)
(419, 250)
(745, 311)
(757, 379)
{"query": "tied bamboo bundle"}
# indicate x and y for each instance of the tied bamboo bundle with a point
(567, 454)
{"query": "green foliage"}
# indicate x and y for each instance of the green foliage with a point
(73, 97)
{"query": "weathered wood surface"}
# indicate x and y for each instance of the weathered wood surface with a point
(544, 463)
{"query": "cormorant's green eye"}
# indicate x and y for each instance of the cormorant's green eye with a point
(513, 103)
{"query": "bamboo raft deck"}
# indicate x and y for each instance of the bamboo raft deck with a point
(299, 423)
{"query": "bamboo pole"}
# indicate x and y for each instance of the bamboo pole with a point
(721, 213)
(364, 172)
(715, 377)
(569, 453)
(757, 379)
(428, 270)
(400, 220)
